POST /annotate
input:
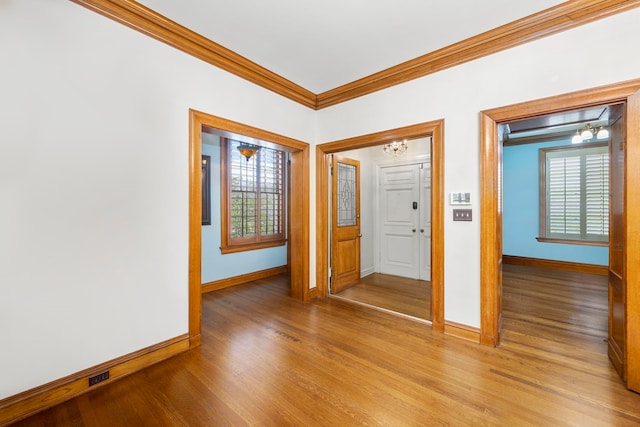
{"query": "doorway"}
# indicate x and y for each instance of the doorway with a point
(323, 151)
(491, 207)
(388, 210)
(555, 197)
(298, 240)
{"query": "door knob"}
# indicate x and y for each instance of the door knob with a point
(414, 230)
(422, 230)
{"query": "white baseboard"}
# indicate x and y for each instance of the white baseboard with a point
(367, 271)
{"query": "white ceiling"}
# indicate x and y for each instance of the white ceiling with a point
(324, 44)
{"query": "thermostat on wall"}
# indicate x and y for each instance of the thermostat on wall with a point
(460, 199)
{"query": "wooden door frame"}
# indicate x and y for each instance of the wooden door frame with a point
(434, 129)
(298, 239)
(491, 196)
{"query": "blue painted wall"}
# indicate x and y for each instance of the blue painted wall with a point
(215, 265)
(520, 214)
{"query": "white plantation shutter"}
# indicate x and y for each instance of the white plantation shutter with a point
(257, 190)
(564, 196)
(597, 194)
(577, 193)
(272, 192)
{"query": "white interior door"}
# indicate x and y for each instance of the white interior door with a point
(425, 221)
(405, 221)
(399, 243)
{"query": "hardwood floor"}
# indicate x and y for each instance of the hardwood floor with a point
(267, 359)
(555, 308)
(398, 294)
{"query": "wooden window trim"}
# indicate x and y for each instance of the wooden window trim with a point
(206, 190)
(572, 242)
(250, 247)
(234, 245)
(542, 211)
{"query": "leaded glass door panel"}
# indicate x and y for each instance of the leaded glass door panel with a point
(345, 229)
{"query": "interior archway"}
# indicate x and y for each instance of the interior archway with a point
(434, 129)
(299, 207)
(491, 202)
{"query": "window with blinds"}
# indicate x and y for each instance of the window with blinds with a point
(574, 196)
(253, 198)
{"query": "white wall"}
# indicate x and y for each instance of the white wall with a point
(94, 185)
(542, 68)
(94, 169)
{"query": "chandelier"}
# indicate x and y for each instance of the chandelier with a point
(248, 150)
(395, 148)
(587, 133)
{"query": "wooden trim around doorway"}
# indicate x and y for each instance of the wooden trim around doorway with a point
(632, 194)
(491, 190)
(299, 204)
(434, 129)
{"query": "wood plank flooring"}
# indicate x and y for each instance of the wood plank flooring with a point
(398, 294)
(267, 359)
(555, 308)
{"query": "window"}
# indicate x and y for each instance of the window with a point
(574, 194)
(253, 198)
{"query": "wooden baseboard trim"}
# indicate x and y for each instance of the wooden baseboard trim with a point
(29, 402)
(311, 294)
(462, 331)
(575, 267)
(243, 278)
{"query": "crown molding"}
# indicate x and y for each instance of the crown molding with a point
(556, 19)
(151, 23)
(565, 16)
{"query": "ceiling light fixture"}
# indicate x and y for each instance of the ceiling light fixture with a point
(248, 150)
(587, 132)
(396, 147)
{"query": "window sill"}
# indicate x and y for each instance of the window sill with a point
(251, 247)
(571, 242)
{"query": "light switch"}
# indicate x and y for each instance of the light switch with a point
(462, 215)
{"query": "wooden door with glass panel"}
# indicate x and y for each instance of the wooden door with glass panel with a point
(345, 223)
